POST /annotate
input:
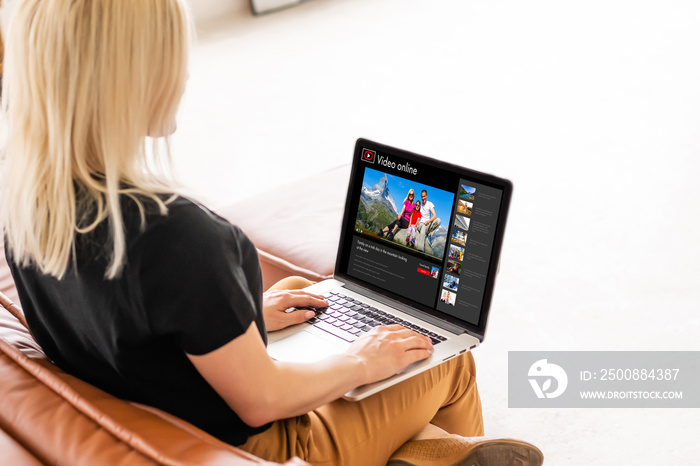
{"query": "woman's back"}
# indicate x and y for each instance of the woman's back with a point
(129, 335)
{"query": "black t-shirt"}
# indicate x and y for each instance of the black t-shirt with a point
(191, 284)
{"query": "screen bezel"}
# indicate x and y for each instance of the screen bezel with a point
(347, 230)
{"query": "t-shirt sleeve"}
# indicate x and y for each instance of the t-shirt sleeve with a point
(200, 280)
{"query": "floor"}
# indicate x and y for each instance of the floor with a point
(592, 109)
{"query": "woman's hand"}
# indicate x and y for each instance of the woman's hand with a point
(276, 302)
(385, 350)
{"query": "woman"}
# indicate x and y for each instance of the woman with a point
(152, 297)
(402, 220)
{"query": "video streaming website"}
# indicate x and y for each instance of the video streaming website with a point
(421, 232)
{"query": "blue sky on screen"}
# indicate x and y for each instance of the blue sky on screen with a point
(399, 187)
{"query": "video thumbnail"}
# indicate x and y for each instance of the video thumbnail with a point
(405, 221)
(454, 267)
(464, 207)
(462, 222)
(450, 282)
(466, 192)
(448, 297)
(456, 253)
(459, 237)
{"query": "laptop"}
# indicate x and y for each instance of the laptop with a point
(434, 271)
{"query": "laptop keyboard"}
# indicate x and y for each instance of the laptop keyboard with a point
(348, 318)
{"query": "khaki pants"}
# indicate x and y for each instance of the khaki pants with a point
(367, 432)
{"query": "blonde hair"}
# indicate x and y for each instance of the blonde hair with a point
(85, 83)
(410, 191)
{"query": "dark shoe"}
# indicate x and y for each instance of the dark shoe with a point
(390, 236)
(381, 233)
(467, 451)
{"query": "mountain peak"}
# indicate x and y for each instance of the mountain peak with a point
(382, 185)
(380, 193)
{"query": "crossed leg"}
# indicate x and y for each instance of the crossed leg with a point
(367, 432)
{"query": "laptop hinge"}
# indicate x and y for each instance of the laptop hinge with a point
(407, 309)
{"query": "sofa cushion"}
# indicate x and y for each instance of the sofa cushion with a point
(16, 334)
(7, 284)
(11, 452)
(295, 227)
(13, 327)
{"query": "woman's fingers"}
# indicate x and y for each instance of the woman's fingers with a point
(297, 317)
(284, 299)
(278, 307)
(388, 349)
(413, 340)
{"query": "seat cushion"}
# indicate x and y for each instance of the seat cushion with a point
(12, 329)
(7, 284)
(14, 453)
(296, 227)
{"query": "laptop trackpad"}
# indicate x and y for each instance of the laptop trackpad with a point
(304, 346)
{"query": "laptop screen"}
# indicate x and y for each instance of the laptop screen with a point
(423, 232)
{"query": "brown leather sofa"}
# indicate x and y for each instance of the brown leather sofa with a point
(50, 417)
